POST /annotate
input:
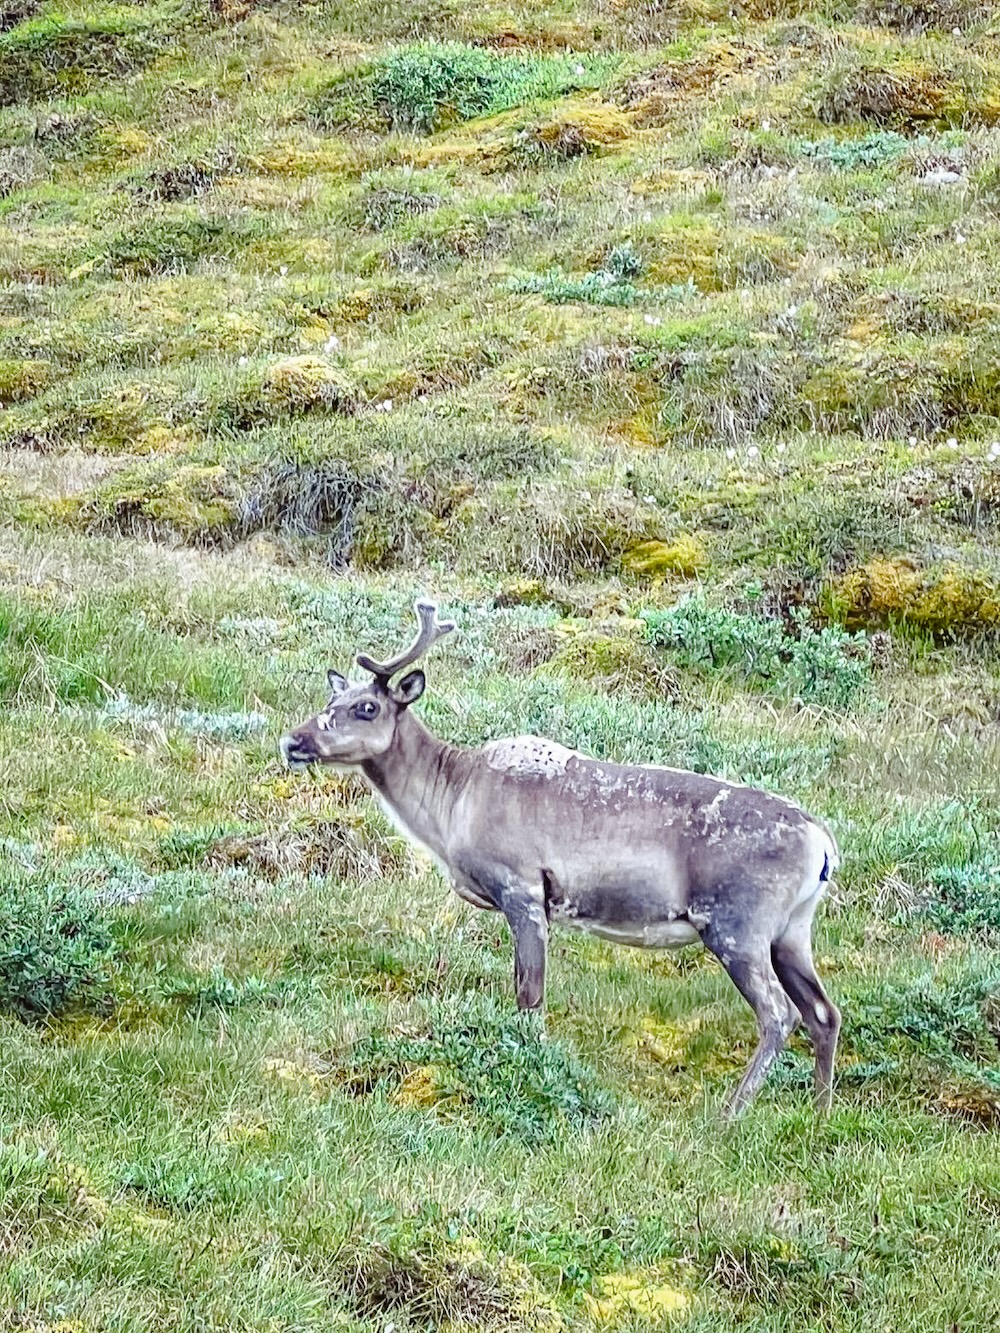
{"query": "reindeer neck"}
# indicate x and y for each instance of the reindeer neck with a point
(418, 780)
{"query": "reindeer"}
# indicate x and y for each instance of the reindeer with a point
(646, 856)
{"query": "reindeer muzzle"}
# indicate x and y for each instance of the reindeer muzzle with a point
(295, 753)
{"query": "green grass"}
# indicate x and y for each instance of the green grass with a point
(660, 355)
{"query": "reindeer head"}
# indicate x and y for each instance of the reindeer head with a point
(359, 721)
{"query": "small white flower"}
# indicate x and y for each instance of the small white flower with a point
(994, 450)
(753, 451)
(423, 398)
(332, 344)
(959, 238)
(956, 32)
(654, 320)
(283, 269)
(782, 447)
(243, 361)
(912, 441)
(730, 453)
(585, 495)
(649, 499)
(578, 70)
(765, 125)
(952, 442)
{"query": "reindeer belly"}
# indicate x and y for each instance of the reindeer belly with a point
(657, 935)
(643, 917)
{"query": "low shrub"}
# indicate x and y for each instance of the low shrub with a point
(203, 994)
(965, 900)
(20, 167)
(600, 288)
(825, 666)
(56, 948)
(920, 16)
(948, 1022)
(164, 245)
(186, 179)
(491, 1063)
(879, 148)
(384, 207)
(611, 284)
(222, 728)
(426, 86)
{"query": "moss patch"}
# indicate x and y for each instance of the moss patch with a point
(193, 503)
(945, 603)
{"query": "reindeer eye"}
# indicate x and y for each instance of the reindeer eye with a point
(366, 710)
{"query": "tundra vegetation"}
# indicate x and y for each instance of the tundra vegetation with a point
(659, 342)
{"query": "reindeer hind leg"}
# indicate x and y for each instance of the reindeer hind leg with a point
(754, 976)
(791, 956)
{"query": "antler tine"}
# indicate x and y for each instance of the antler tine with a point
(431, 629)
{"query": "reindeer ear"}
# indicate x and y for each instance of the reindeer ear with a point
(409, 689)
(337, 683)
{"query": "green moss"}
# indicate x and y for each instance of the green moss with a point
(23, 379)
(619, 664)
(367, 303)
(523, 592)
(174, 244)
(897, 90)
(191, 502)
(685, 555)
(55, 56)
(114, 419)
(945, 603)
(304, 384)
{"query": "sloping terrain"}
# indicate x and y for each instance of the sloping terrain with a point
(659, 341)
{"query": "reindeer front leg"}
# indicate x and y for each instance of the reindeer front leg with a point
(524, 907)
(530, 929)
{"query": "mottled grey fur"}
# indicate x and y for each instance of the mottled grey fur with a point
(646, 856)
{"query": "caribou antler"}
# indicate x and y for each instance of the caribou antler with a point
(431, 629)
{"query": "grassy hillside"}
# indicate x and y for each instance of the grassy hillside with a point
(660, 341)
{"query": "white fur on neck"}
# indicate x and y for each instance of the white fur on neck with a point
(399, 824)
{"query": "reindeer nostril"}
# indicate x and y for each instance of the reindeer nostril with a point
(292, 751)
